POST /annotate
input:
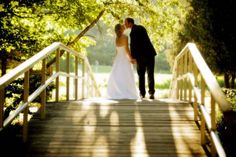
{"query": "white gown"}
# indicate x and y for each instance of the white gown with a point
(121, 83)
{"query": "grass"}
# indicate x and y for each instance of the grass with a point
(220, 80)
(162, 80)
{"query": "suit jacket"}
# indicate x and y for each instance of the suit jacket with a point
(140, 44)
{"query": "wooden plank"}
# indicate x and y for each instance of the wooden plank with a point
(111, 128)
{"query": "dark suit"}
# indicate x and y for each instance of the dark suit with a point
(143, 51)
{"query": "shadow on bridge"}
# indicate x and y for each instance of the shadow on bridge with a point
(110, 128)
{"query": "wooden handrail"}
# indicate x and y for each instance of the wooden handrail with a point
(26, 66)
(188, 66)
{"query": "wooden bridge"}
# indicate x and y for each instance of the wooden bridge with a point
(86, 124)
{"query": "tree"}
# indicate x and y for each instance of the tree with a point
(15, 40)
(223, 31)
(210, 25)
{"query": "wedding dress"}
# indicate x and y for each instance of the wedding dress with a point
(121, 83)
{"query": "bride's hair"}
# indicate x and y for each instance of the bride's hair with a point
(118, 30)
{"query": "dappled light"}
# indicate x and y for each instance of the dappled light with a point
(137, 145)
(90, 122)
(114, 121)
(104, 110)
(86, 105)
(101, 147)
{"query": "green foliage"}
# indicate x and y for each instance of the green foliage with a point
(220, 81)
(210, 25)
(163, 85)
(161, 64)
(231, 96)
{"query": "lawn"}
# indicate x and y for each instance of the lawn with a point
(162, 81)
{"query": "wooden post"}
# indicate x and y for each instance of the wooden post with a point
(203, 88)
(203, 122)
(195, 104)
(83, 77)
(76, 79)
(181, 81)
(25, 100)
(195, 108)
(177, 82)
(213, 113)
(43, 94)
(190, 69)
(213, 123)
(185, 57)
(57, 71)
(67, 78)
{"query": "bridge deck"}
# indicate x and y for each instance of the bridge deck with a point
(105, 128)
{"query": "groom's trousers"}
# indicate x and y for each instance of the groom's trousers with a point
(146, 65)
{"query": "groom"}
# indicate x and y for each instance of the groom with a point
(144, 53)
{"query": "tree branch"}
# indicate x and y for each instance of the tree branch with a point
(86, 29)
(81, 34)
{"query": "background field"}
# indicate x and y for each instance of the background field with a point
(162, 80)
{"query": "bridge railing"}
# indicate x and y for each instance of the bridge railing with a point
(193, 81)
(87, 86)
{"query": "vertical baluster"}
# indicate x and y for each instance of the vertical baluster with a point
(213, 123)
(195, 104)
(190, 67)
(43, 94)
(181, 80)
(67, 77)
(26, 110)
(83, 78)
(185, 57)
(88, 81)
(176, 71)
(76, 79)
(57, 71)
(203, 123)
(88, 84)
(213, 113)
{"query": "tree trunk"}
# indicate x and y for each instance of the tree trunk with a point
(3, 56)
(232, 80)
(226, 80)
(3, 63)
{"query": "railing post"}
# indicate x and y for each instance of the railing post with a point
(26, 110)
(190, 69)
(57, 71)
(76, 79)
(195, 104)
(83, 77)
(203, 122)
(2, 100)
(213, 113)
(43, 94)
(181, 81)
(177, 81)
(213, 123)
(185, 71)
(67, 77)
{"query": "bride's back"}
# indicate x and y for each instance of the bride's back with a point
(121, 41)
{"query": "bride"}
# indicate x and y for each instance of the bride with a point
(121, 83)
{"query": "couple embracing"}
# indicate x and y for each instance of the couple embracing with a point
(121, 83)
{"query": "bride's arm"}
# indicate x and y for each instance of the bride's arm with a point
(127, 50)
